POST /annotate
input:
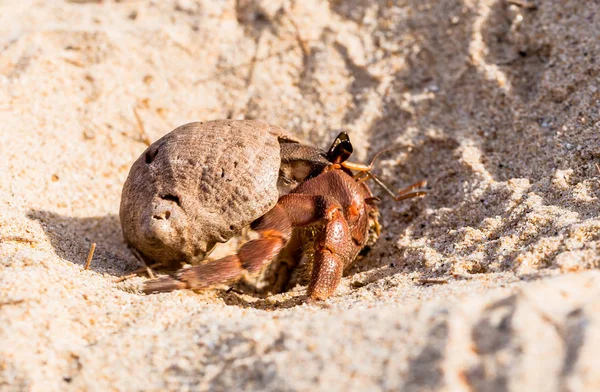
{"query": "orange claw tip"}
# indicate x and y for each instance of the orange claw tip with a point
(163, 285)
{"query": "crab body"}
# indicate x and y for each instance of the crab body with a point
(309, 210)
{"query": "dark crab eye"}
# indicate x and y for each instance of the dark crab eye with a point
(341, 149)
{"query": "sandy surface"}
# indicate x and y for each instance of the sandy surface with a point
(496, 105)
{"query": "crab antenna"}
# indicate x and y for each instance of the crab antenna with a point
(381, 184)
(417, 185)
(403, 194)
(378, 153)
(339, 153)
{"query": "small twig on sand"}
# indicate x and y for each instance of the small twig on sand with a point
(301, 41)
(524, 4)
(597, 167)
(125, 277)
(150, 273)
(146, 268)
(431, 281)
(12, 302)
(90, 255)
(138, 256)
(18, 238)
(233, 290)
(143, 135)
(457, 275)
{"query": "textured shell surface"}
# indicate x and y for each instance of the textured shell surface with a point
(199, 185)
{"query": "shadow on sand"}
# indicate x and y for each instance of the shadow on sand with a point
(72, 238)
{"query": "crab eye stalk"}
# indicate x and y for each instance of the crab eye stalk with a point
(341, 149)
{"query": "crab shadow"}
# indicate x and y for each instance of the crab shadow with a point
(72, 237)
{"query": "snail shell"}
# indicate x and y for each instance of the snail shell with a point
(199, 185)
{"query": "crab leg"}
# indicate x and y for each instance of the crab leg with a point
(362, 167)
(274, 229)
(333, 248)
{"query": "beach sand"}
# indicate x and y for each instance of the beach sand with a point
(487, 283)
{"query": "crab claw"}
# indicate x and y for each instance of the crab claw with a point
(163, 285)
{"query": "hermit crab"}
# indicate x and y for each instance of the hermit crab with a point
(202, 183)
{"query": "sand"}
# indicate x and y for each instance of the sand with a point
(487, 283)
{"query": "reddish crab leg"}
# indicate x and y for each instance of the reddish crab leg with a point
(274, 229)
(333, 248)
(359, 167)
